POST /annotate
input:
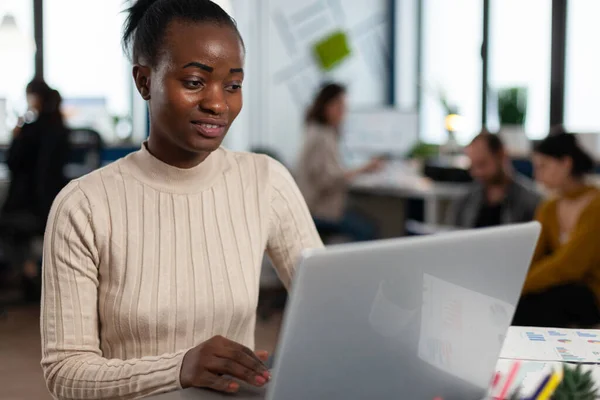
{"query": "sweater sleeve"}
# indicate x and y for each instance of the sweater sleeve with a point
(323, 164)
(72, 361)
(573, 260)
(291, 228)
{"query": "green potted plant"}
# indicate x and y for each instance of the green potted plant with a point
(577, 384)
(512, 112)
(512, 106)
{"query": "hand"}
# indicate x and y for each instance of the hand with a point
(17, 130)
(205, 365)
(376, 164)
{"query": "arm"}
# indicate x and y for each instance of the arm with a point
(571, 261)
(291, 228)
(22, 149)
(324, 167)
(73, 364)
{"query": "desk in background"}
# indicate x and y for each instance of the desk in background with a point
(384, 195)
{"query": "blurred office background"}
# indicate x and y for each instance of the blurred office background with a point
(423, 77)
(412, 55)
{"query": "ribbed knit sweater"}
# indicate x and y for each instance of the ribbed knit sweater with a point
(143, 261)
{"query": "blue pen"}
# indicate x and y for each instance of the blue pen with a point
(541, 387)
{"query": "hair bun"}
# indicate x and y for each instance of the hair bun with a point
(136, 12)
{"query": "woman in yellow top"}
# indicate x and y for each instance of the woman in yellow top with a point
(563, 284)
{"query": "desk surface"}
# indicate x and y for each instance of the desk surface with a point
(403, 180)
(246, 393)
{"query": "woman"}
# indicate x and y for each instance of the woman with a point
(151, 264)
(36, 159)
(563, 284)
(321, 175)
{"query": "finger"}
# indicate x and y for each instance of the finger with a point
(262, 355)
(220, 383)
(226, 366)
(244, 356)
(254, 355)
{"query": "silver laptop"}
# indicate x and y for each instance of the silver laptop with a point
(412, 318)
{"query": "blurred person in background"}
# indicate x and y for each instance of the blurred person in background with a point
(36, 158)
(563, 283)
(498, 196)
(321, 175)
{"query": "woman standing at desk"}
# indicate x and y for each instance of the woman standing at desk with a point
(151, 264)
(321, 176)
(563, 285)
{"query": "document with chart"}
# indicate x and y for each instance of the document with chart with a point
(545, 344)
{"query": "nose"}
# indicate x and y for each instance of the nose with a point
(214, 101)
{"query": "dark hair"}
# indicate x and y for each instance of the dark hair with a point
(493, 142)
(38, 87)
(561, 145)
(327, 93)
(147, 22)
(50, 101)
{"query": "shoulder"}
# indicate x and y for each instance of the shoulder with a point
(473, 190)
(316, 134)
(71, 204)
(593, 208)
(90, 189)
(93, 181)
(264, 166)
(546, 209)
(268, 172)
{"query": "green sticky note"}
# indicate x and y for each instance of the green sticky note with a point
(332, 50)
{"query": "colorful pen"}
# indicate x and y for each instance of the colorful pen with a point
(553, 383)
(514, 369)
(541, 387)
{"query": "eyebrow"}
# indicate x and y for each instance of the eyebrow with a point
(195, 64)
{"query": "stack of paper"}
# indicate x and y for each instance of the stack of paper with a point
(544, 344)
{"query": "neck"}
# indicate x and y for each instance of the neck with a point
(573, 186)
(170, 154)
(501, 182)
(496, 192)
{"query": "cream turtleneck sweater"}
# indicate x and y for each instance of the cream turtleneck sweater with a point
(143, 261)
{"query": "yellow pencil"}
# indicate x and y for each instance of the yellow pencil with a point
(551, 386)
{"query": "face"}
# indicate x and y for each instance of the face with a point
(195, 90)
(552, 172)
(34, 102)
(486, 167)
(336, 110)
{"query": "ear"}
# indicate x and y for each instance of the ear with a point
(568, 163)
(141, 77)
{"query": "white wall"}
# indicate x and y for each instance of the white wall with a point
(282, 76)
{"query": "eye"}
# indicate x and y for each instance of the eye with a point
(193, 84)
(234, 87)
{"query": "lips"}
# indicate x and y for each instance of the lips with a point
(210, 129)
